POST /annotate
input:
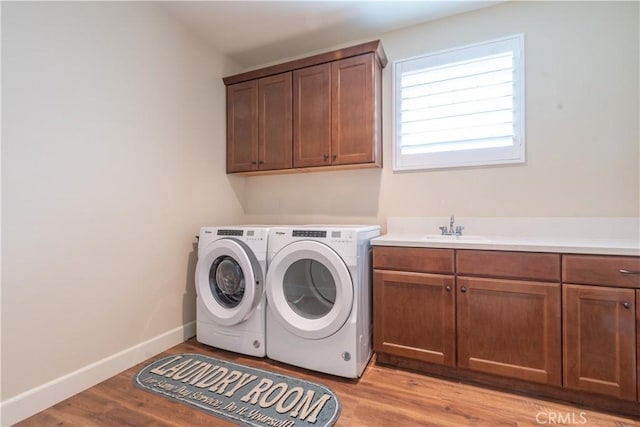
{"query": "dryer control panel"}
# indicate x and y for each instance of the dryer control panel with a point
(333, 236)
(342, 236)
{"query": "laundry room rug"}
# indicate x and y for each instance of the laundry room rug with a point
(240, 394)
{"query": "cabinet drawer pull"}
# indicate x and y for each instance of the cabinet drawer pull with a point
(629, 272)
(463, 289)
(626, 305)
(448, 288)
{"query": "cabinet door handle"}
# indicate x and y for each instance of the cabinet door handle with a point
(448, 288)
(623, 271)
(626, 305)
(254, 162)
(325, 157)
(261, 162)
(463, 289)
(335, 156)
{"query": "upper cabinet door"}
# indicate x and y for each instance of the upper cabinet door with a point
(312, 116)
(242, 127)
(274, 122)
(354, 113)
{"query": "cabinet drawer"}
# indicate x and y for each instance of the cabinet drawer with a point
(621, 271)
(413, 259)
(509, 265)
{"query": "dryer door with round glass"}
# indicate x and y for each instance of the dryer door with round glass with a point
(310, 289)
(228, 281)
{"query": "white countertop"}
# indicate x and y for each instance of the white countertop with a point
(605, 236)
(497, 243)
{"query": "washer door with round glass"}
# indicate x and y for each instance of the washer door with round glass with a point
(310, 289)
(229, 282)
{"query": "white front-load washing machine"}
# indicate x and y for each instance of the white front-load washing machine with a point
(230, 303)
(319, 297)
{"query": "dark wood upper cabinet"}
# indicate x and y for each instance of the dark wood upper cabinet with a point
(355, 115)
(312, 116)
(274, 122)
(320, 111)
(242, 126)
(259, 124)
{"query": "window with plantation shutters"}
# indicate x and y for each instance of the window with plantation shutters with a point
(460, 107)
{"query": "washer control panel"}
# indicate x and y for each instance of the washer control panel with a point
(333, 236)
(256, 234)
(248, 234)
(223, 232)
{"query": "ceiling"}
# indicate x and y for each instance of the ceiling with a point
(254, 33)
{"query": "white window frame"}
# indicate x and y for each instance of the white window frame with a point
(514, 153)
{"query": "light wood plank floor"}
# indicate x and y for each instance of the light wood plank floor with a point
(384, 396)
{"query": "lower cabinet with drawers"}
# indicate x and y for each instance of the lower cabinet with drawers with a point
(553, 324)
(600, 332)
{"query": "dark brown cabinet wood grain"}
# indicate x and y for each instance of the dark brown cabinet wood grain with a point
(561, 325)
(321, 111)
(618, 271)
(600, 324)
(242, 126)
(422, 260)
(509, 265)
(415, 316)
(259, 124)
(510, 328)
(599, 331)
(274, 122)
(414, 309)
(312, 116)
(355, 85)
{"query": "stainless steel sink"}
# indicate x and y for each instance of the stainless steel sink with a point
(453, 238)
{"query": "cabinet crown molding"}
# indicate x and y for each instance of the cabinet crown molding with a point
(360, 49)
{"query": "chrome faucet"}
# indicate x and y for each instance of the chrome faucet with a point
(451, 231)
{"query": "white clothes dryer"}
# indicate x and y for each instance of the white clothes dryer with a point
(230, 303)
(319, 297)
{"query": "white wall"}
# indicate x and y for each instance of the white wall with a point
(113, 155)
(582, 132)
(113, 134)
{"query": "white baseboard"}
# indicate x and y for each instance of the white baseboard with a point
(32, 401)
